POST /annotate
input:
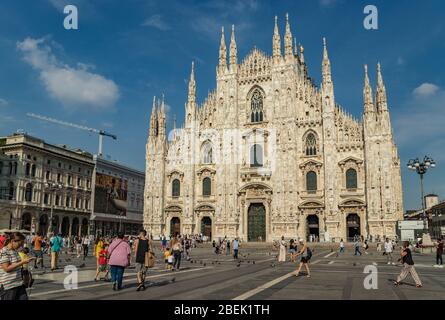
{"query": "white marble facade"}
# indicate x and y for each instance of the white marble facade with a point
(270, 154)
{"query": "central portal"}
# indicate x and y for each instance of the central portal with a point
(256, 222)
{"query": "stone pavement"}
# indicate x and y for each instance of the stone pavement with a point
(256, 276)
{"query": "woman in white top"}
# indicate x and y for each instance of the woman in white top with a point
(282, 255)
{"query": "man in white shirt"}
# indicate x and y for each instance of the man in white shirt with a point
(388, 251)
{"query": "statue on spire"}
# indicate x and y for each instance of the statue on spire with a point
(192, 86)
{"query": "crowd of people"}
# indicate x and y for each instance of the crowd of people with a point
(114, 255)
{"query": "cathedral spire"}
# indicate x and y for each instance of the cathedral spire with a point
(288, 52)
(192, 85)
(367, 94)
(327, 79)
(276, 43)
(162, 118)
(380, 92)
(153, 120)
(302, 54)
(222, 53)
(233, 51)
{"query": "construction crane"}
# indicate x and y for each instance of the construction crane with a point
(101, 133)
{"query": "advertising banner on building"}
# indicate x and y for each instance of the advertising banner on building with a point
(110, 195)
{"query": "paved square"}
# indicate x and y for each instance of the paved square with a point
(257, 276)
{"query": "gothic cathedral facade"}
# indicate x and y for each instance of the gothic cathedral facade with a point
(269, 154)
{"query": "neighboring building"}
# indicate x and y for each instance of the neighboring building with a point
(28, 165)
(269, 154)
(436, 216)
(118, 198)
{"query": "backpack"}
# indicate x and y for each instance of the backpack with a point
(309, 252)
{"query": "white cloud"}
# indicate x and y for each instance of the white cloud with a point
(328, 3)
(74, 87)
(3, 102)
(156, 21)
(425, 90)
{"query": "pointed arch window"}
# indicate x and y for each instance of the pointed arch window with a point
(207, 153)
(206, 186)
(351, 179)
(176, 188)
(311, 145)
(311, 181)
(256, 156)
(256, 104)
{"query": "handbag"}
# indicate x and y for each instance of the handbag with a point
(28, 281)
(149, 259)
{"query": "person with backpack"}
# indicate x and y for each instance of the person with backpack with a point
(306, 253)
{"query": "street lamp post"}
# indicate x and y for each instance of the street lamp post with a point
(421, 168)
(52, 187)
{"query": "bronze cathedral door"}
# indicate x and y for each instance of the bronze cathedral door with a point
(256, 222)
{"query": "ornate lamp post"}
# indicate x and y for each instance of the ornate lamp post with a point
(53, 188)
(421, 168)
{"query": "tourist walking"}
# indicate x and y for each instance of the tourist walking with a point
(164, 243)
(103, 263)
(235, 247)
(306, 253)
(282, 254)
(141, 249)
(56, 243)
(37, 248)
(11, 269)
(357, 247)
(408, 266)
(120, 253)
(292, 250)
(98, 247)
(366, 246)
(228, 247)
(177, 248)
(85, 245)
(342, 246)
(439, 253)
(388, 251)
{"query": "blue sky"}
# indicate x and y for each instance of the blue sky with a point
(126, 52)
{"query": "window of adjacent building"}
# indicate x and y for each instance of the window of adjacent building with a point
(47, 175)
(87, 204)
(1, 167)
(59, 177)
(48, 162)
(77, 203)
(256, 107)
(28, 192)
(15, 167)
(311, 145)
(79, 182)
(207, 153)
(35, 159)
(69, 180)
(311, 181)
(256, 156)
(88, 183)
(28, 169)
(11, 190)
(176, 188)
(28, 156)
(206, 186)
(57, 200)
(351, 179)
(67, 201)
(33, 170)
(45, 198)
(60, 165)
(10, 168)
